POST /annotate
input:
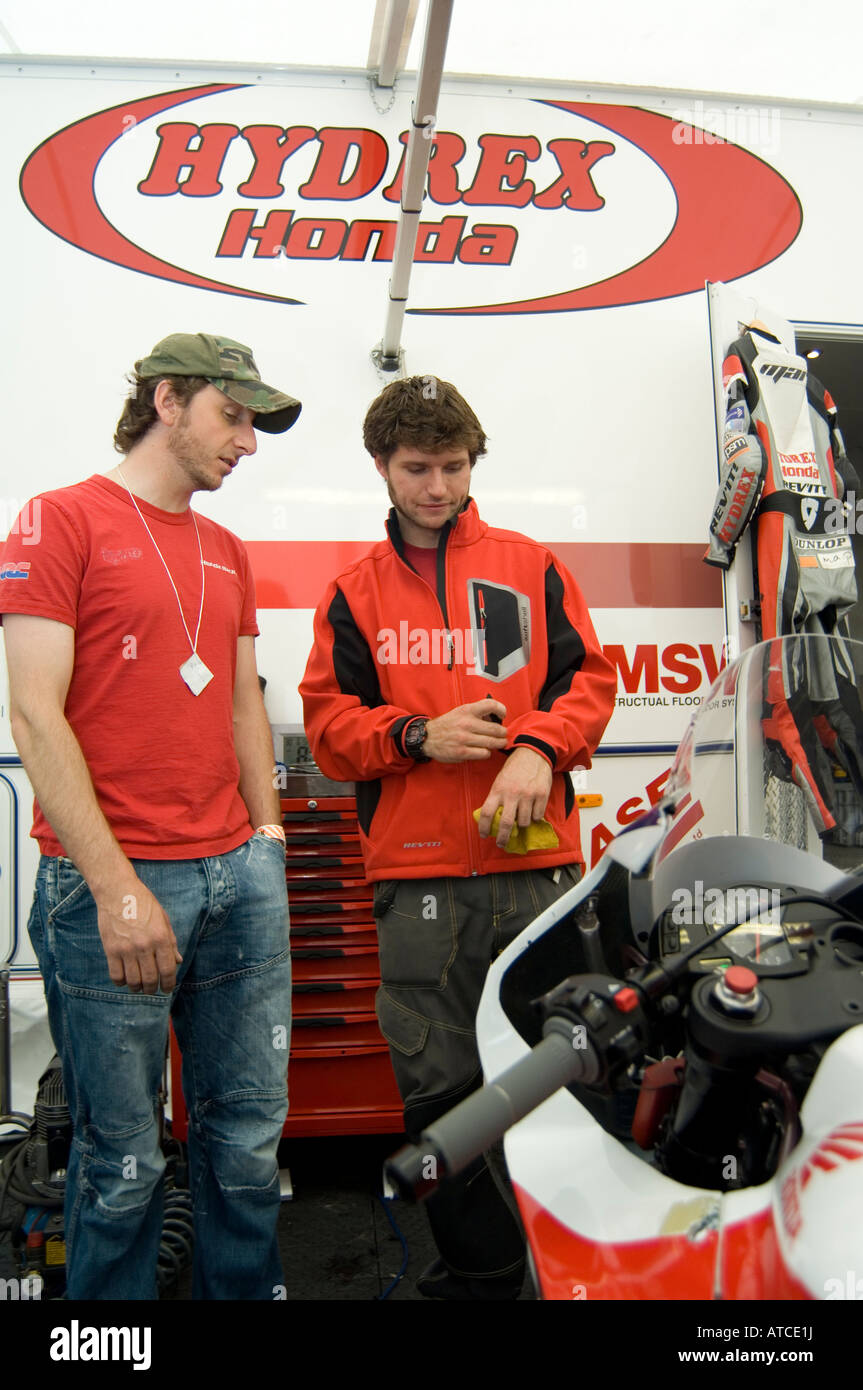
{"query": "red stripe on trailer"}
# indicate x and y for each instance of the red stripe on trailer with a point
(294, 574)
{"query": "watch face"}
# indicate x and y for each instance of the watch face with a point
(415, 736)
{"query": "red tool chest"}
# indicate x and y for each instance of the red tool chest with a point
(340, 1080)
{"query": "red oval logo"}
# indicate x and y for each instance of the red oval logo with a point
(729, 212)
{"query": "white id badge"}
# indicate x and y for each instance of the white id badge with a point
(196, 675)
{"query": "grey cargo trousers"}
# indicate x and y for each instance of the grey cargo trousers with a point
(437, 938)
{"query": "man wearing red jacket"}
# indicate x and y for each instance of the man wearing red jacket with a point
(455, 675)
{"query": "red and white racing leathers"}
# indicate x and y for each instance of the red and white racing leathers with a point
(782, 445)
(785, 466)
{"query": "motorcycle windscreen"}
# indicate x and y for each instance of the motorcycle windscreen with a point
(775, 751)
(500, 628)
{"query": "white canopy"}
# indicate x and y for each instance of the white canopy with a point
(797, 49)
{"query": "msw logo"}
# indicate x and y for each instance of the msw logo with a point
(683, 666)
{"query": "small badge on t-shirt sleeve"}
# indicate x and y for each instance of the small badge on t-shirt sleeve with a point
(15, 569)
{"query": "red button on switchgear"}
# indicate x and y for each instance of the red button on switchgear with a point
(626, 1000)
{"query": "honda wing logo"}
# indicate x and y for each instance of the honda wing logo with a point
(809, 511)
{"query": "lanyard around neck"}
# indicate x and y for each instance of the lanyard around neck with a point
(193, 645)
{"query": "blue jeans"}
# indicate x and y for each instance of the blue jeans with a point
(231, 1010)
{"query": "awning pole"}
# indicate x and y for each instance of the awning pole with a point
(391, 35)
(423, 123)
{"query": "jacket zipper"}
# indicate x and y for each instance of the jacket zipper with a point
(441, 595)
(473, 859)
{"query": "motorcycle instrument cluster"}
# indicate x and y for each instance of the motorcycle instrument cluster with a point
(767, 939)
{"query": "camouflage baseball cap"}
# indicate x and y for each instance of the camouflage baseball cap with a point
(227, 365)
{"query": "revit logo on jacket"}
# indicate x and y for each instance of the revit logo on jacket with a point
(500, 628)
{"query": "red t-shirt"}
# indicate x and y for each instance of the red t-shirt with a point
(424, 562)
(161, 759)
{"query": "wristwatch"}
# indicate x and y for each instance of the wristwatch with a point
(413, 738)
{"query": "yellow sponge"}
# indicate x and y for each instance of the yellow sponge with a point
(522, 839)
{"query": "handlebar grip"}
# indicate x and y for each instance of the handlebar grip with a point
(459, 1137)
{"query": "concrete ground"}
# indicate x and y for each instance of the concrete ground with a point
(339, 1241)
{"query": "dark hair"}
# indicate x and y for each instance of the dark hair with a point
(139, 412)
(425, 412)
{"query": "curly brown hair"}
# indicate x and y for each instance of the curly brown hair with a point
(139, 412)
(425, 412)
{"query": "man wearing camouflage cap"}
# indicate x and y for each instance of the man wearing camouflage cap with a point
(136, 708)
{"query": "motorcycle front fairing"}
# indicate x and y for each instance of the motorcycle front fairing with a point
(603, 1222)
(600, 1222)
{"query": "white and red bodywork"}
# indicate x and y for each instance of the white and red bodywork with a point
(602, 1223)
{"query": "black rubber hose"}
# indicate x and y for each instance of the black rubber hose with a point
(15, 1184)
(177, 1243)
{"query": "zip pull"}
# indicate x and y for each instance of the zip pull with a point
(450, 641)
